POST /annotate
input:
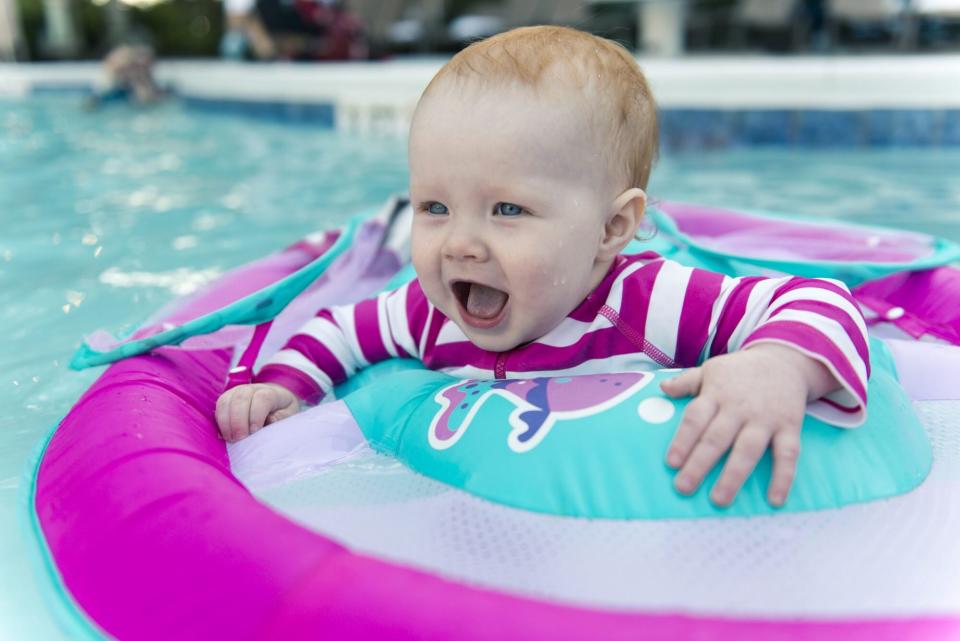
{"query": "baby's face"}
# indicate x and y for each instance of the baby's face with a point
(510, 198)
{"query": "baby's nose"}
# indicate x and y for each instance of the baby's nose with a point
(464, 244)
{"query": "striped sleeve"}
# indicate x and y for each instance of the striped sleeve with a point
(341, 340)
(819, 318)
(692, 314)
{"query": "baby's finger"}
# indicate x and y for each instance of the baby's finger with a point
(686, 384)
(239, 413)
(747, 450)
(716, 440)
(786, 451)
(223, 414)
(261, 404)
(696, 417)
(281, 414)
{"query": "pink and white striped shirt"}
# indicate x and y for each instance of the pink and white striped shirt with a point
(647, 313)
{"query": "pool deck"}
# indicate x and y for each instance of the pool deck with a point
(380, 97)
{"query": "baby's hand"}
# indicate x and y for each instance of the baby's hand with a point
(745, 402)
(243, 410)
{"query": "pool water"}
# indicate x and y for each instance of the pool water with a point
(105, 216)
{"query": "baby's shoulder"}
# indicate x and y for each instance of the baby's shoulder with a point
(631, 265)
(642, 258)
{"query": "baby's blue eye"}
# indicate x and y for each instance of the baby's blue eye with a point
(509, 209)
(436, 208)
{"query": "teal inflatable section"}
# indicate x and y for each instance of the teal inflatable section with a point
(594, 446)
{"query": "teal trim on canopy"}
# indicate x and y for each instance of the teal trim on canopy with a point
(253, 309)
(610, 463)
(66, 612)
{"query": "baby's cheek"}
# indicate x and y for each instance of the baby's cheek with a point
(423, 262)
(433, 289)
(548, 289)
(559, 275)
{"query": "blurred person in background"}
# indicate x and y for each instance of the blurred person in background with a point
(128, 75)
(245, 34)
(292, 30)
(343, 33)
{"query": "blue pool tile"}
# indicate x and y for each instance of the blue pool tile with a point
(309, 113)
(950, 127)
(816, 128)
(764, 127)
(904, 127)
(61, 88)
(691, 129)
(695, 128)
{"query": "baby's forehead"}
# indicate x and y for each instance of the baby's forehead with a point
(532, 152)
(558, 113)
(503, 115)
(502, 103)
(559, 80)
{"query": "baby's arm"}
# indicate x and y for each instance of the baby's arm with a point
(771, 349)
(324, 352)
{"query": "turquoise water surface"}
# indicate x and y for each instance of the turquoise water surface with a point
(105, 216)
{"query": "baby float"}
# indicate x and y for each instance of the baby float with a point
(419, 506)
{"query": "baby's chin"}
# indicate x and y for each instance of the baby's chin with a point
(491, 340)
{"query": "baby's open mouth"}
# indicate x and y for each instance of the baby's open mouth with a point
(482, 304)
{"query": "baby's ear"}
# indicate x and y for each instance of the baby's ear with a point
(622, 222)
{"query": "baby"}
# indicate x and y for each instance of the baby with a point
(529, 155)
